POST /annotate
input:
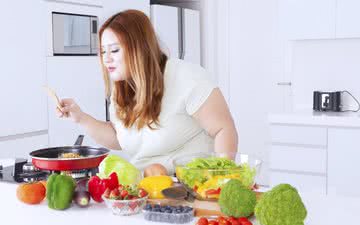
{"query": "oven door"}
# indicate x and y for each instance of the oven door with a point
(74, 34)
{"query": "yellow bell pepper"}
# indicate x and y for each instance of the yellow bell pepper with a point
(155, 184)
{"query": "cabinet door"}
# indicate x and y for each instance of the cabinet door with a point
(165, 22)
(79, 78)
(343, 162)
(347, 18)
(307, 19)
(20, 148)
(304, 183)
(22, 42)
(111, 7)
(192, 36)
(97, 3)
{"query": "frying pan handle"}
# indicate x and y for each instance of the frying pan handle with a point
(79, 140)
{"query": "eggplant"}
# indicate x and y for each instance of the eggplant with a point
(82, 198)
(81, 185)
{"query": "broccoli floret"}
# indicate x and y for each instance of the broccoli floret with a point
(236, 200)
(281, 206)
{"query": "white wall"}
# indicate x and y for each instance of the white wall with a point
(247, 70)
(327, 65)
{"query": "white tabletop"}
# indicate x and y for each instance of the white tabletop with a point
(327, 210)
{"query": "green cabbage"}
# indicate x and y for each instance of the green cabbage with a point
(127, 173)
(281, 206)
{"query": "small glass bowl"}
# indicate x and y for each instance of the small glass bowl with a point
(125, 207)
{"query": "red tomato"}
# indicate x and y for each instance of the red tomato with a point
(223, 221)
(124, 193)
(244, 221)
(234, 221)
(202, 221)
(213, 222)
(142, 193)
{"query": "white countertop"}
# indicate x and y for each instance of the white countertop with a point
(310, 118)
(327, 210)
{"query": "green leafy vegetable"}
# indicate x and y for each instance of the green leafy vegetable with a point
(127, 173)
(194, 172)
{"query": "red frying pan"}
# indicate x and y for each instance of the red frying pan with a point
(50, 158)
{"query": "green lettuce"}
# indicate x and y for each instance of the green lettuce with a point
(195, 171)
(127, 173)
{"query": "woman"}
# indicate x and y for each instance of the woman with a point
(160, 108)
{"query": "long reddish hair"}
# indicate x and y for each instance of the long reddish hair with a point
(137, 99)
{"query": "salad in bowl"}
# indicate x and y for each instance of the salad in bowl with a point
(204, 174)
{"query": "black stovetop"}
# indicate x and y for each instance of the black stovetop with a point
(17, 174)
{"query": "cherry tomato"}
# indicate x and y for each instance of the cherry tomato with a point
(142, 193)
(202, 221)
(244, 221)
(223, 221)
(213, 222)
(233, 221)
(124, 193)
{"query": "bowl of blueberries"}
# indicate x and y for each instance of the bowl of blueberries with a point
(167, 213)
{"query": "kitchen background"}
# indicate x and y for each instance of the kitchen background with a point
(267, 56)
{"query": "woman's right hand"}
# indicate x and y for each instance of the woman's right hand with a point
(70, 110)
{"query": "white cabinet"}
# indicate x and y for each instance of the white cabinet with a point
(165, 22)
(307, 19)
(79, 78)
(302, 182)
(95, 3)
(343, 161)
(111, 7)
(347, 19)
(299, 135)
(20, 148)
(298, 156)
(316, 152)
(23, 102)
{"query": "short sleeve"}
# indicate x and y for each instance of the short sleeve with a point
(200, 89)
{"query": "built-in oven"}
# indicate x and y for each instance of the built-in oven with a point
(74, 34)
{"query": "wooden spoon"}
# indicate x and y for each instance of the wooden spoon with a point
(53, 95)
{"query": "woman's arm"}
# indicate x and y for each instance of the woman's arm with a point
(214, 116)
(102, 132)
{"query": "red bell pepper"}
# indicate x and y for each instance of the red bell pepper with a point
(98, 186)
(213, 191)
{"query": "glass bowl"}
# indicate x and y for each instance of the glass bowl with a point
(206, 183)
(125, 207)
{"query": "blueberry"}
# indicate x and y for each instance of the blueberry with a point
(157, 206)
(168, 211)
(148, 207)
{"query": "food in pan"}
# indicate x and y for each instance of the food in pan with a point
(70, 155)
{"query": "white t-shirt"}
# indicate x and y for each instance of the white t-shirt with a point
(187, 86)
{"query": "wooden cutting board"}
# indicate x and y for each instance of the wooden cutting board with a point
(202, 208)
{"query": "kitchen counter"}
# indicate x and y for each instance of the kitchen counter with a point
(311, 118)
(325, 210)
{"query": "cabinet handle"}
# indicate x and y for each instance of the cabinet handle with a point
(284, 83)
